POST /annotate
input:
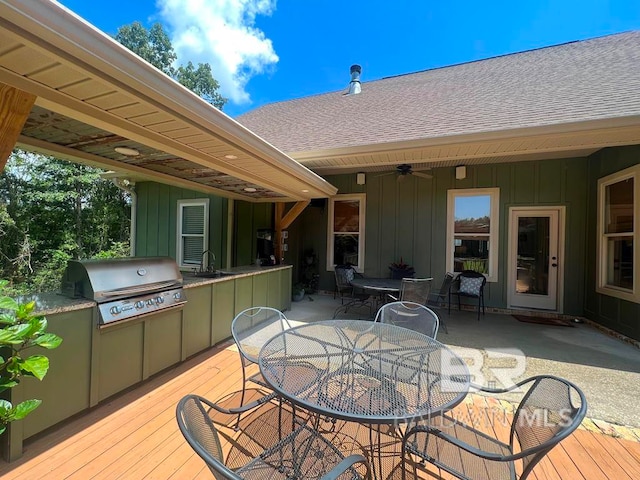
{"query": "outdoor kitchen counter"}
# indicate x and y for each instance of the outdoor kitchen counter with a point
(192, 280)
(48, 303)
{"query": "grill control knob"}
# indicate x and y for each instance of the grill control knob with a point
(159, 300)
(150, 302)
(177, 295)
(139, 304)
(115, 310)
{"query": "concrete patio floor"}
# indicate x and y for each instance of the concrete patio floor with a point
(605, 368)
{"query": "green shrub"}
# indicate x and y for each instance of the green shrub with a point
(20, 329)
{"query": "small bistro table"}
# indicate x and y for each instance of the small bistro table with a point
(365, 372)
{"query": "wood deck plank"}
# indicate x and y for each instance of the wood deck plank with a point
(134, 435)
(584, 458)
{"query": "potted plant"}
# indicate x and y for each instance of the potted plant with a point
(401, 269)
(297, 292)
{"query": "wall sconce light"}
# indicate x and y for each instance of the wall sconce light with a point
(360, 178)
(461, 172)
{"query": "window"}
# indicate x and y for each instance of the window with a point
(193, 232)
(472, 231)
(346, 231)
(619, 237)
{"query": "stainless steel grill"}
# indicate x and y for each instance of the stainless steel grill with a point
(125, 288)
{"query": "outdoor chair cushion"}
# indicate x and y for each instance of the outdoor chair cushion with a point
(470, 286)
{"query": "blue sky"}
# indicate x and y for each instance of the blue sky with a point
(263, 51)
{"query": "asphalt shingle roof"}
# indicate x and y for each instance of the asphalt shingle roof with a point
(573, 82)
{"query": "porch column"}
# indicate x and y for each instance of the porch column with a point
(15, 106)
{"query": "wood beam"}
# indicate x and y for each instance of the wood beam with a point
(15, 106)
(284, 221)
(293, 213)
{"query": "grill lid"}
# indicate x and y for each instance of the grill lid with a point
(115, 278)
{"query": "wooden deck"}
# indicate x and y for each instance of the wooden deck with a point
(135, 435)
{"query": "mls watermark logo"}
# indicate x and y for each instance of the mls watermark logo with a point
(490, 367)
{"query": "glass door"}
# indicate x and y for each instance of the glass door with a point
(534, 260)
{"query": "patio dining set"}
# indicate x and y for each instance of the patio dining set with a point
(389, 376)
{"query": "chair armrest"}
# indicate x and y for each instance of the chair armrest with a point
(456, 442)
(243, 408)
(345, 465)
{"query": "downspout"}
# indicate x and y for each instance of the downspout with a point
(129, 187)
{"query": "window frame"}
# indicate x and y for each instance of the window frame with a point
(204, 202)
(494, 215)
(602, 287)
(361, 197)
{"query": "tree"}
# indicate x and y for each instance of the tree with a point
(155, 47)
(51, 211)
(201, 82)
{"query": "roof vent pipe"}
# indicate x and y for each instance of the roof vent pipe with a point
(354, 86)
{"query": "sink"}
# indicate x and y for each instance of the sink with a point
(214, 274)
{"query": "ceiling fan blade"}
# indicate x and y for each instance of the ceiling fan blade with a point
(423, 175)
(400, 178)
(385, 174)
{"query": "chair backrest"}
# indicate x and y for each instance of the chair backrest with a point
(546, 415)
(441, 295)
(201, 434)
(252, 327)
(415, 290)
(410, 315)
(470, 282)
(344, 274)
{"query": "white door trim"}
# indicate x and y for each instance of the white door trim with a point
(512, 250)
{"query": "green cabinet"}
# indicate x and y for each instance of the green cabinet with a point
(93, 363)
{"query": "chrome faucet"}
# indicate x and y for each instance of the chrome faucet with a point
(211, 265)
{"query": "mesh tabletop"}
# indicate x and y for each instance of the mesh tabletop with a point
(385, 285)
(364, 371)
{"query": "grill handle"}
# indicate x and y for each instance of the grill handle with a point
(141, 289)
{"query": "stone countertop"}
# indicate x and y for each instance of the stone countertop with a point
(49, 303)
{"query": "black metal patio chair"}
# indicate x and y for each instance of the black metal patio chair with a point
(470, 284)
(302, 454)
(355, 298)
(415, 290)
(251, 328)
(546, 415)
(410, 315)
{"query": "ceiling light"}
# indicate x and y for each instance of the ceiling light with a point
(129, 152)
(305, 191)
(250, 189)
(230, 157)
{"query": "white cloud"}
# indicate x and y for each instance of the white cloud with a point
(223, 34)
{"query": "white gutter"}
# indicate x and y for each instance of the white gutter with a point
(54, 27)
(129, 187)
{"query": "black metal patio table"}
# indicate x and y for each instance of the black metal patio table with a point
(370, 373)
(378, 285)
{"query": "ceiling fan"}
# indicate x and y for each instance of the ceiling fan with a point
(405, 169)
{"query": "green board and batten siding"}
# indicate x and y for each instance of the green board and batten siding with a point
(619, 315)
(409, 219)
(157, 211)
